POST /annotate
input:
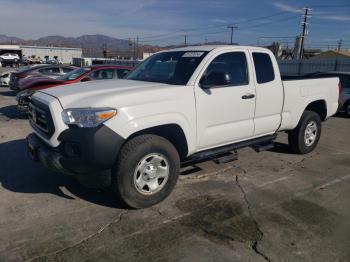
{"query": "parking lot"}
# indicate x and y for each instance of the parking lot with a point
(269, 206)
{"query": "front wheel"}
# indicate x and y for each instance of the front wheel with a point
(146, 171)
(304, 138)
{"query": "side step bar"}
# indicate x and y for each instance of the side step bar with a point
(222, 152)
(229, 157)
(263, 147)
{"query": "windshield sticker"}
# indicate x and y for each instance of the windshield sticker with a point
(193, 54)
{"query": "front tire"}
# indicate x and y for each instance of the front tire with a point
(304, 138)
(146, 171)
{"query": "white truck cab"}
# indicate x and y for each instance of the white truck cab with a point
(178, 107)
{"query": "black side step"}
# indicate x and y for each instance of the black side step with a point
(263, 147)
(229, 157)
(218, 152)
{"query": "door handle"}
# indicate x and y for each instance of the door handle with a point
(248, 96)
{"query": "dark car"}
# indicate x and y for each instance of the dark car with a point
(344, 77)
(84, 74)
(49, 71)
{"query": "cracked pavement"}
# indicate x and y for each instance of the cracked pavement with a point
(268, 206)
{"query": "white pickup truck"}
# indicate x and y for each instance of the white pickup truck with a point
(178, 107)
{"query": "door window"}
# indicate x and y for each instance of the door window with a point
(121, 73)
(66, 69)
(102, 74)
(263, 68)
(50, 70)
(229, 69)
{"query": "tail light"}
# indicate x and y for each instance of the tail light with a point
(340, 89)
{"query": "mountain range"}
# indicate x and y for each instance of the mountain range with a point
(84, 41)
(92, 45)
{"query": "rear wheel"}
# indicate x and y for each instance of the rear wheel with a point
(146, 171)
(347, 108)
(304, 138)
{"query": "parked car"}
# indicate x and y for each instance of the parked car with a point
(19, 78)
(9, 59)
(32, 60)
(344, 102)
(84, 74)
(5, 78)
(179, 106)
(54, 62)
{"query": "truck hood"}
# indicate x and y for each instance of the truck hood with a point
(110, 93)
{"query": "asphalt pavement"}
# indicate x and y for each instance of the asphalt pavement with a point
(268, 206)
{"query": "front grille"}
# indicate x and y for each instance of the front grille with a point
(40, 118)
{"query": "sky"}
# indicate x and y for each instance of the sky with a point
(166, 22)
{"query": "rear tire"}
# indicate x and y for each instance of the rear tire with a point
(146, 171)
(304, 138)
(347, 108)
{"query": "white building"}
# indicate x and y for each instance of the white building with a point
(64, 54)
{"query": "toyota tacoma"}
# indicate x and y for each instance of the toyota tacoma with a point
(177, 108)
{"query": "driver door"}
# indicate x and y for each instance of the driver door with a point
(225, 105)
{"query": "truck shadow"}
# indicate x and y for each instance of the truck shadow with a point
(12, 112)
(341, 115)
(281, 148)
(8, 93)
(19, 174)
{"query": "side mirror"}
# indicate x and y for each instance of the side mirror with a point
(86, 79)
(215, 79)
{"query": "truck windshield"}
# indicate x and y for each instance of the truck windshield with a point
(173, 68)
(72, 75)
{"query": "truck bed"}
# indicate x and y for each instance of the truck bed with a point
(301, 92)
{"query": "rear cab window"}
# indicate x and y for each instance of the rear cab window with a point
(263, 68)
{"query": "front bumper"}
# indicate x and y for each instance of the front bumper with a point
(81, 150)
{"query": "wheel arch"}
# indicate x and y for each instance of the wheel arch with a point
(319, 107)
(172, 132)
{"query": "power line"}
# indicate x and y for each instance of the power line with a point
(213, 26)
(330, 6)
(270, 22)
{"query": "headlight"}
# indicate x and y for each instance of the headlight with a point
(87, 117)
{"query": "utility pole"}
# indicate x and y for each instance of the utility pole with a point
(134, 48)
(232, 28)
(304, 33)
(185, 40)
(340, 42)
(137, 47)
(129, 47)
(104, 50)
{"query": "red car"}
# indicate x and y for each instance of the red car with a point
(84, 74)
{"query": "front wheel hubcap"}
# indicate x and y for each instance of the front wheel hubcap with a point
(310, 133)
(151, 174)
